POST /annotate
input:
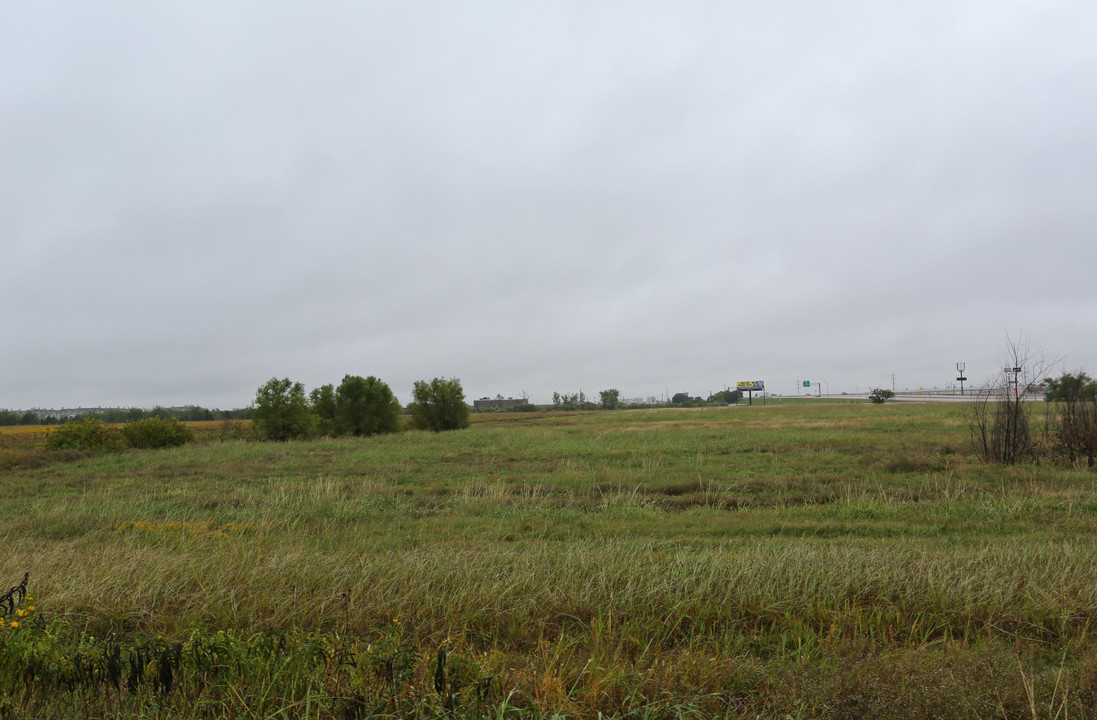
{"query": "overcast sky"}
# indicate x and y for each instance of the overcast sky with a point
(540, 196)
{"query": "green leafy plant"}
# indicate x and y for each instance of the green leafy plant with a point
(89, 435)
(880, 395)
(156, 432)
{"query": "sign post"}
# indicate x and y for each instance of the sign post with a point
(960, 367)
(1016, 372)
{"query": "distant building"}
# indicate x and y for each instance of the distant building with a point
(498, 403)
(67, 413)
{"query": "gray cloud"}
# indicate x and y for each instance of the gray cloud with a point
(538, 197)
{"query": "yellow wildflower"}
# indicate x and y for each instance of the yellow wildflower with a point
(14, 623)
(21, 612)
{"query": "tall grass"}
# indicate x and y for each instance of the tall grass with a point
(810, 561)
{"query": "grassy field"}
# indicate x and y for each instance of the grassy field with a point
(807, 561)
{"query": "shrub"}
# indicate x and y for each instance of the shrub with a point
(157, 432)
(88, 434)
(237, 430)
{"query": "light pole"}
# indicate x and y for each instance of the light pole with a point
(960, 367)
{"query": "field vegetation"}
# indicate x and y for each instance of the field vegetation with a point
(838, 560)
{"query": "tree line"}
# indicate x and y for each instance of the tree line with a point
(191, 413)
(611, 400)
(358, 406)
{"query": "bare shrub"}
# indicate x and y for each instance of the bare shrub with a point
(1001, 414)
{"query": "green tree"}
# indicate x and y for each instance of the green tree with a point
(1070, 387)
(1075, 398)
(323, 406)
(365, 406)
(728, 397)
(195, 413)
(282, 410)
(610, 399)
(439, 405)
(880, 395)
(161, 412)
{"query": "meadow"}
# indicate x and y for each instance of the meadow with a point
(830, 560)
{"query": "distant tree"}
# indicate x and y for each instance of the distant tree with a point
(365, 406)
(880, 395)
(113, 415)
(194, 413)
(726, 397)
(322, 400)
(1075, 399)
(610, 399)
(236, 414)
(1070, 387)
(282, 410)
(30, 418)
(161, 412)
(8, 417)
(439, 405)
(679, 398)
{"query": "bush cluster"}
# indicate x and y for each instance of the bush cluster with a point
(157, 432)
(1002, 431)
(92, 436)
(89, 435)
(359, 406)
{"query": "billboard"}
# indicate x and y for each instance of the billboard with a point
(750, 385)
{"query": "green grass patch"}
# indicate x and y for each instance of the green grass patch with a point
(798, 559)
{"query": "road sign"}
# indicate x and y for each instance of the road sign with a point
(807, 383)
